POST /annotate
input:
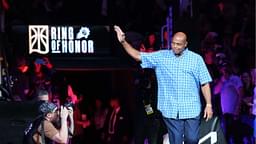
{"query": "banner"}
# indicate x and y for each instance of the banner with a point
(69, 40)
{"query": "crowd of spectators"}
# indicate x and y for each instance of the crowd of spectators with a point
(227, 45)
(95, 120)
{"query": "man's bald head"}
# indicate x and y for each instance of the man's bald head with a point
(181, 35)
(179, 43)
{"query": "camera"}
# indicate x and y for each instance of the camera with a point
(69, 104)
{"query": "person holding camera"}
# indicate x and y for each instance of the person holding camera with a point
(47, 132)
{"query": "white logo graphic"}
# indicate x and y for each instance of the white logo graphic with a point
(83, 32)
(38, 39)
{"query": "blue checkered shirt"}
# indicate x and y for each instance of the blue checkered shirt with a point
(179, 81)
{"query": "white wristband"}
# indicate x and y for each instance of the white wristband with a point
(208, 105)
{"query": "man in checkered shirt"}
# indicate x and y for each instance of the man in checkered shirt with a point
(181, 74)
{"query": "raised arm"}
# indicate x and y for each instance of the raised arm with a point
(135, 54)
(71, 120)
(62, 135)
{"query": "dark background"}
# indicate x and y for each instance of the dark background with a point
(102, 75)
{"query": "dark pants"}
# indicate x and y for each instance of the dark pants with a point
(180, 130)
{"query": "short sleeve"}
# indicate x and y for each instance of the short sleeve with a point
(149, 60)
(204, 75)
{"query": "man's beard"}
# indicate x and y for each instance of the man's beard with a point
(57, 122)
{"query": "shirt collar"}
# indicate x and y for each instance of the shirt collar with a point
(184, 52)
